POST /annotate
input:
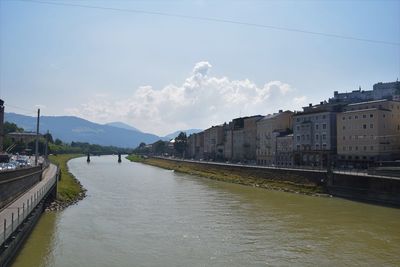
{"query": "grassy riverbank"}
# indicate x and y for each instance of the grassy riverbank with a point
(69, 189)
(243, 176)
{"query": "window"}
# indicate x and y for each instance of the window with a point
(344, 148)
(323, 116)
(302, 137)
(308, 137)
(324, 126)
(323, 146)
(316, 126)
(350, 137)
(298, 138)
(344, 137)
(371, 115)
(364, 126)
(384, 115)
(317, 146)
(350, 148)
(365, 148)
(349, 117)
(372, 147)
(371, 126)
(298, 119)
(356, 117)
(344, 127)
(316, 137)
(298, 128)
(324, 137)
(356, 148)
(364, 116)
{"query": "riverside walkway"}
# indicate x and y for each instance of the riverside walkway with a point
(15, 213)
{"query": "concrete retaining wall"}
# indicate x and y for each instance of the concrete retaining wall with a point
(366, 188)
(14, 183)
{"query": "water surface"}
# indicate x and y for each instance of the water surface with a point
(139, 215)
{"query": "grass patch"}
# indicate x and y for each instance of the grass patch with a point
(244, 176)
(69, 188)
(135, 158)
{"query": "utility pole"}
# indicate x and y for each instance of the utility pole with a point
(37, 138)
(46, 151)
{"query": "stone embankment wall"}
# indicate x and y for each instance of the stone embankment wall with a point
(366, 188)
(14, 183)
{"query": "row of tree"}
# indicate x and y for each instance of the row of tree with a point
(163, 147)
(55, 146)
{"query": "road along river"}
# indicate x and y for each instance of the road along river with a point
(139, 215)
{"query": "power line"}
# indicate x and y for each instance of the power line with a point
(21, 108)
(219, 20)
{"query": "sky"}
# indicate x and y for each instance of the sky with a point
(165, 73)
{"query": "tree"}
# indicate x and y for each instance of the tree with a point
(58, 142)
(10, 127)
(48, 137)
(180, 143)
(159, 147)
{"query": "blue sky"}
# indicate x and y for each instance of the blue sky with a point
(162, 73)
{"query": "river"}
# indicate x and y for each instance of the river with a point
(139, 215)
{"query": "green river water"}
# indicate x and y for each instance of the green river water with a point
(139, 215)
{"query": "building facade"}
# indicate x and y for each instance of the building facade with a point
(284, 150)
(368, 132)
(213, 141)
(269, 128)
(243, 141)
(314, 135)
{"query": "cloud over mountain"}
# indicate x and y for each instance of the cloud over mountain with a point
(200, 101)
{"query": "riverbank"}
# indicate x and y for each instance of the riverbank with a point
(244, 176)
(69, 189)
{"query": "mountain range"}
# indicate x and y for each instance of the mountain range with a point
(70, 128)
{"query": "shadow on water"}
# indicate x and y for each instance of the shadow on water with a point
(37, 250)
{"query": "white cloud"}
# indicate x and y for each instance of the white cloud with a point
(199, 102)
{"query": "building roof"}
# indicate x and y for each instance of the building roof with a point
(368, 102)
(23, 134)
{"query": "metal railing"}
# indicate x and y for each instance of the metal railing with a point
(20, 213)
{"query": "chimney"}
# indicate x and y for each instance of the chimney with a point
(280, 111)
(321, 103)
(310, 105)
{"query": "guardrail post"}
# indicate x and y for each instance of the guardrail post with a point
(5, 228)
(18, 215)
(12, 222)
(23, 210)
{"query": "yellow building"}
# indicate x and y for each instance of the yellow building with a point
(269, 128)
(368, 132)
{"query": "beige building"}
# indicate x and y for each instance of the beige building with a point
(213, 140)
(368, 132)
(284, 150)
(269, 128)
(244, 133)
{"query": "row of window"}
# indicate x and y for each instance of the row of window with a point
(317, 117)
(363, 116)
(317, 147)
(307, 137)
(316, 127)
(364, 126)
(350, 148)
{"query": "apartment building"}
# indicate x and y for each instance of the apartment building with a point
(240, 139)
(368, 132)
(284, 150)
(213, 142)
(314, 134)
(269, 128)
